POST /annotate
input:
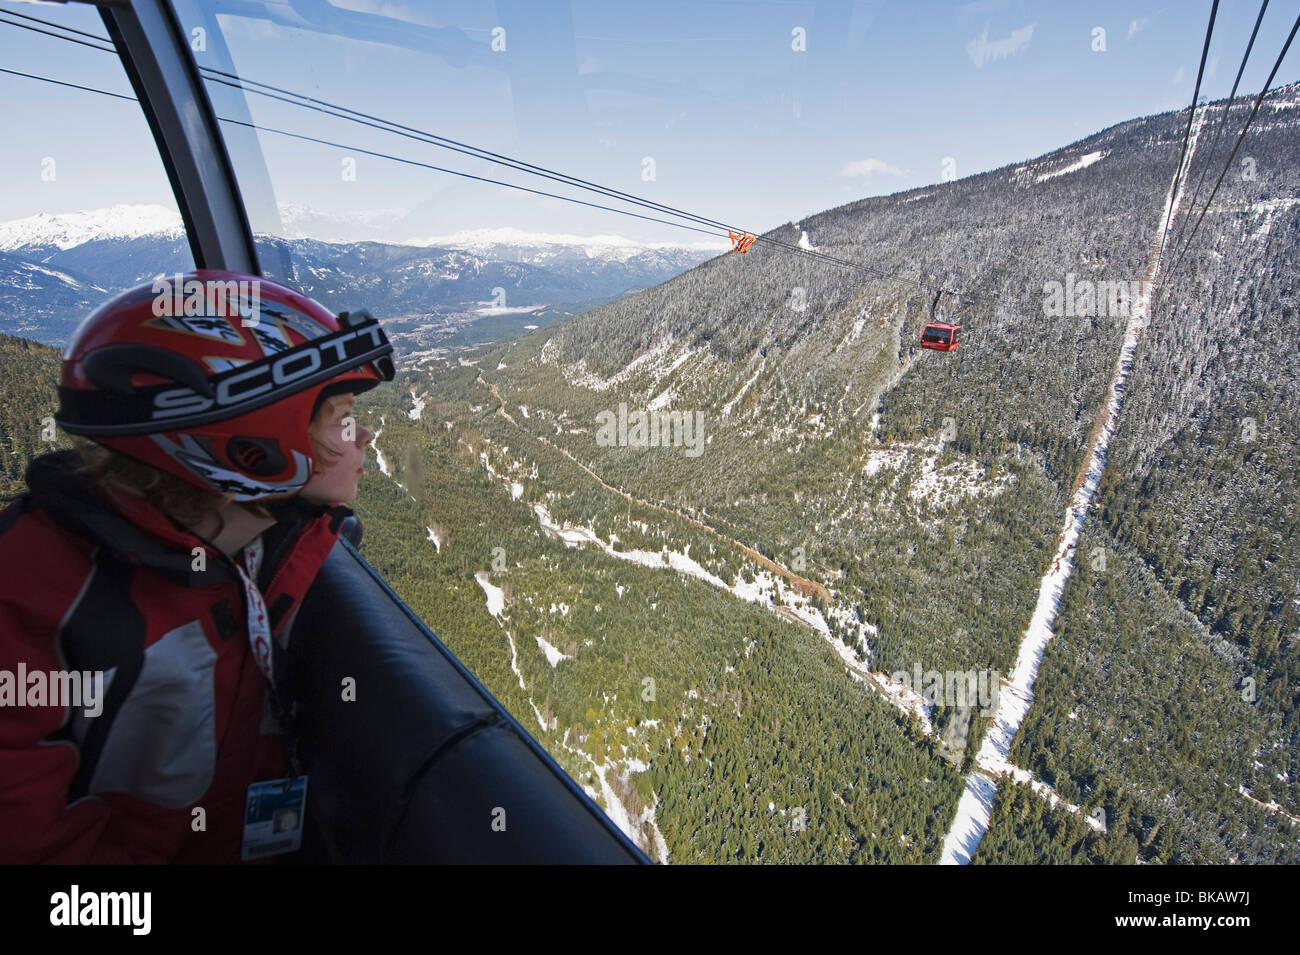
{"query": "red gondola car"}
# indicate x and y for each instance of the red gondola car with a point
(940, 336)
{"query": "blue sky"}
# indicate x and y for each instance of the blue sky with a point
(740, 125)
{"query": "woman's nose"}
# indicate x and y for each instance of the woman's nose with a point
(364, 435)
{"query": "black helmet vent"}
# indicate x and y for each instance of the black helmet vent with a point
(112, 366)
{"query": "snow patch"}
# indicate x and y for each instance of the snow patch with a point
(938, 486)
(514, 662)
(414, 413)
(496, 597)
(379, 457)
(765, 590)
(507, 310)
(726, 409)
(553, 656)
(1082, 163)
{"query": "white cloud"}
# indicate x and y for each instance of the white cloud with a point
(867, 167)
(1179, 75)
(1135, 26)
(982, 51)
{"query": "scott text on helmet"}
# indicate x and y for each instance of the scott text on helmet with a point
(307, 359)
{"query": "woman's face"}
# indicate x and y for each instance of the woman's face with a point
(334, 481)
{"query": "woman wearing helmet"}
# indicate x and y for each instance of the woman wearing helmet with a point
(152, 575)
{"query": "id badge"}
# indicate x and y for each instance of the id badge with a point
(273, 817)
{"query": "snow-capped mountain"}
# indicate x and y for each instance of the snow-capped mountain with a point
(541, 247)
(66, 230)
(54, 268)
(298, 221)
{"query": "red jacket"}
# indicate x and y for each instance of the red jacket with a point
(92, 582)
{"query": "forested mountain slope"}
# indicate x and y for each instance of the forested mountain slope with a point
(796, 458)
(1171, 695)
(29, 373)
(827, 450)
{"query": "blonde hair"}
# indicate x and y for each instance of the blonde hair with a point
(177, 498)
(323, 452)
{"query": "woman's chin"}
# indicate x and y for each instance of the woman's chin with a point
(332, 488)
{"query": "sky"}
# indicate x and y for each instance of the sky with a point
(753, 113)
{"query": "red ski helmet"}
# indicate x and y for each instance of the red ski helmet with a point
(214, 377)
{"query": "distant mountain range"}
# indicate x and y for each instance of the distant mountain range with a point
(448, 291)
(67, 230)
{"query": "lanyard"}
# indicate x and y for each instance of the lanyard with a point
(259, 624)
(259, 638)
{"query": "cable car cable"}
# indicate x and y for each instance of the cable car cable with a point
(1182, 153)
(1223, 120)
(239, 82)
(1228, 165)
(412, 162)
(51, 23)
(455, 172)
(75, 86)
(473, 151)
(271, 129)
(366, 119)
(476, 152)
(56, 36)
(435, 140)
